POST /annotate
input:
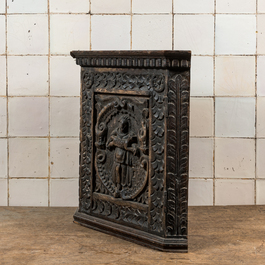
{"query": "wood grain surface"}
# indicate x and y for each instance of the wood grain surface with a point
(217, 235)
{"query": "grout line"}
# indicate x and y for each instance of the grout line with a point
(43, 14)
(131, 24)
(173, 26)
(234, 178)
(49, 102)
(256, 101)
(43, 178)
(226, 137)
(90, 27)
(31, 178)
(197, 55)
(41, 137)
(192, 97)
(36, 54)
(215, 13)
(41, 96)
(214, 106)
(224, 96)
(7, 113)
(129, 13)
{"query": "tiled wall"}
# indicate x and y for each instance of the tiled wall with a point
(39, 91)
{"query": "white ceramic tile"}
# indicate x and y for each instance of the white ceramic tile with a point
(64, 192)
(152, 6)
(69, 6)
(194, 6)
(260, 158)
(235, 34)
(236, 6)
(195, 33)
(3, 192)
(3, 158)
(234, 192)
(201, 157)
(234, 158)
(261, 117)
(152, 32)
(27, 34)
(28, 116)
(261, 76)
(261, 6)
(201, 76)
(110, 6)
(2, 117)
(28, 157)
(27, 75)
(65, 116)
(2, 75)
(2, 34)
(201, 116)
(235, 117)
(235, 76)
(2, 6)
(260, 188)
(28, 192)
(69, 32)
(261, 34)
(64, 158)
(27, 6)
(110, 32)
(200, 192)
(64, 76)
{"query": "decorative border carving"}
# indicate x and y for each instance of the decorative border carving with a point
(177, 154)
(140, 62)
(157, 163)
(122, 213)
(125, 81)
(85, 166)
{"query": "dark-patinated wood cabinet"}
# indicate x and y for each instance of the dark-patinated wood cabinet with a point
(134, 145)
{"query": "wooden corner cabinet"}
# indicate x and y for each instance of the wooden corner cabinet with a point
(134, 145)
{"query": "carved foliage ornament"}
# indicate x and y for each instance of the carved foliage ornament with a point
(114, 80)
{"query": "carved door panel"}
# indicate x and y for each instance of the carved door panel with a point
(127, 123)
(121, 158)
(122, 147)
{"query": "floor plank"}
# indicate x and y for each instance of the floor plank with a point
(217, 235)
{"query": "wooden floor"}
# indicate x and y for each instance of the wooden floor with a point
(217, 235)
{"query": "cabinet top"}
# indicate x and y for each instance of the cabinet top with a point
(133, 59)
